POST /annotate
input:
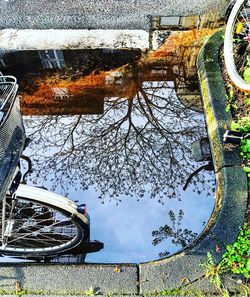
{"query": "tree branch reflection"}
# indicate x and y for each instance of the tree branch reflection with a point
(139, 145)
(179, 237)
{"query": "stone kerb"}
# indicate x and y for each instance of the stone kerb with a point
(33, 39)
(70, 279)
(231, 192)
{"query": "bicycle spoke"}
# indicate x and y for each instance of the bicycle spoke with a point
(38, 227)
(34, 232)
(40, 234)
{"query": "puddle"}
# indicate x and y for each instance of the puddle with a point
(114, 130)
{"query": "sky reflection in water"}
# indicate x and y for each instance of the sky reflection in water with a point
(124, 161)
(128, 162)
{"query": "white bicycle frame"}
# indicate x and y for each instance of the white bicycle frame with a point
(12, 190)
(44, 197)
(47, 197)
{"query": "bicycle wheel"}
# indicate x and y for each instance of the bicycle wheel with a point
(236, 45)
(34, 227)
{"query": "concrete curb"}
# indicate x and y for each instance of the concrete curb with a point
(31, 39)
(231, 194)
(214, 102)
(68, 279)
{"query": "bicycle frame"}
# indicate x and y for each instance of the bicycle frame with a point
(18, 191)
(11, 131)
(10, 124)
(13, 194)
(45, 196)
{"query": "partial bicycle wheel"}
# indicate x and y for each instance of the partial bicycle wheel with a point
(34, 227)
(236, 45)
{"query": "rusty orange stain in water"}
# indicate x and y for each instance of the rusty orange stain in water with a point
(179, 48)
(93, 87)
(181, 45)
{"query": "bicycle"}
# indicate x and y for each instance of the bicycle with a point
(35, 223)
(236, 45)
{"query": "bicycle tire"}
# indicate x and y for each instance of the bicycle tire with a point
(236, 44)
(40, 228)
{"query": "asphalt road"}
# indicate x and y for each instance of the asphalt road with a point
(97, 14)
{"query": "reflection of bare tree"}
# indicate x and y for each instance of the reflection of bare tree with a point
(180, 237)
(138, 145)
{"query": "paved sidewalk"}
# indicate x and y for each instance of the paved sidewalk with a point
(100, 14)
